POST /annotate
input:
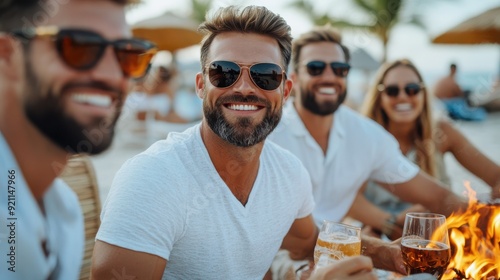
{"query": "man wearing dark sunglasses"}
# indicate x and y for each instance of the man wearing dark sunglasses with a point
(216, 201)
(341, 149)
(63, 79)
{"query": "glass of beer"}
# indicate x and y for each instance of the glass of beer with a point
(337, 241)
(425, 245)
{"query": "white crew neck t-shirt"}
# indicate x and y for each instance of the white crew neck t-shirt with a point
(170, 201)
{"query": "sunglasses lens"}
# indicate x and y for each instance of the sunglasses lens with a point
(315, 68)
(412, 89)
(134, 57)
(223, 73)
(80, 49)
(340, 69)
(392, 91)
(267, 76)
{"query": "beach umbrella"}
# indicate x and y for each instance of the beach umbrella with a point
(168, 31)
(481, 29)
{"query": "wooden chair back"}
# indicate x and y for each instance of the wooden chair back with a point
(79, 174)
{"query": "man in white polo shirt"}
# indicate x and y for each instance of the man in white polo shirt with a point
(340, 148)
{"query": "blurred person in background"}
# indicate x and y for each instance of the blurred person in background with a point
(159, 104)
(456, 101)
(172, 101)
(447, 87)
(153, 96)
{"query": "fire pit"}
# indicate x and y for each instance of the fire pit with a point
(475, 253)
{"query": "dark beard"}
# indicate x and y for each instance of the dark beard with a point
(46, 111)
(309, 102)
(242, 133)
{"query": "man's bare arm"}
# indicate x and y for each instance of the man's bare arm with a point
(112, 262)
(427, 191)
(301, 238)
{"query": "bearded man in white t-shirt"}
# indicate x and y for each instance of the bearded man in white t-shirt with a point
(217, 201)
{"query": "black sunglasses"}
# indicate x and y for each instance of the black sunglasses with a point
(266, 76)
(316, 68)
(82, 49)
(410, 89)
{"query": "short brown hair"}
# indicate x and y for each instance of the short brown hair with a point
(17, 14)
(251, 19)
(318, 34)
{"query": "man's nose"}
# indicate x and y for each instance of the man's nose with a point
(108, 69)
(328, 72)
(244, 84)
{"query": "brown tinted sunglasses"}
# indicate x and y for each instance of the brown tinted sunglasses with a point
(82, 49)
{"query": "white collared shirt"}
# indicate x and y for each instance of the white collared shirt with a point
(23, 227)
(358, 149)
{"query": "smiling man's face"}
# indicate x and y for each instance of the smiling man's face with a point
(324, 93)
(75, 109)
(243, 114)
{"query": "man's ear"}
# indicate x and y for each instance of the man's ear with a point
(9, 51)
(200, 85)
(6, 47)
(287, 90)
(11, 64)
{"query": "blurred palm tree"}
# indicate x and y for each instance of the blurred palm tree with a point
(199, 8)
(382, 16)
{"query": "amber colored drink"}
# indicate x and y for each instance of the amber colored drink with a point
(424, 256)
(337, 245)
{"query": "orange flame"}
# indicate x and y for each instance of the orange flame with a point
(475, 253)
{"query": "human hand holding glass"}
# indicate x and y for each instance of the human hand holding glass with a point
(425, 245)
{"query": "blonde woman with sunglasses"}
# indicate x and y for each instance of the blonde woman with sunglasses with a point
(400, 102)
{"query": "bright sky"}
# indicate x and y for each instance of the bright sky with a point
(406, 41)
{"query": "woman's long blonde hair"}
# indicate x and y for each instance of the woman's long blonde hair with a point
(423, 138)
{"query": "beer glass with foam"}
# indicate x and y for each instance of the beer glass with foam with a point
(337, 240)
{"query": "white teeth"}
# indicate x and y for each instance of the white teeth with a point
(327, 90)
(403, 107)
(243, 107)
(98, 100)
